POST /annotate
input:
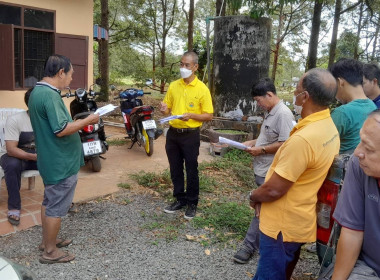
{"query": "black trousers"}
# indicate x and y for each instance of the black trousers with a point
(182, 147)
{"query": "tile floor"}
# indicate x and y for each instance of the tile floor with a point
(30, 212)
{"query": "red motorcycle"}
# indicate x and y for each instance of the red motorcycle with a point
(328, 230)
(138, 119)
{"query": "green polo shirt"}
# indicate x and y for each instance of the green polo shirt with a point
(57, 157)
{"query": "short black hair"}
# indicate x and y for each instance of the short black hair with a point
(262, 87)
(27, 95)
(320, 85)
(372, 71)
(55, 63)
(349, 69)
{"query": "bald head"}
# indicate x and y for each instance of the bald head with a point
(321, 86)
(193, 55)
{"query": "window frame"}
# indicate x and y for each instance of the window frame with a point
(12, 48)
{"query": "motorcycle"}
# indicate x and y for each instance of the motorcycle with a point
(328, 230)
(138, 119)
(93, 137)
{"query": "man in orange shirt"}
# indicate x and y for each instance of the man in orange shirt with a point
(286, 202)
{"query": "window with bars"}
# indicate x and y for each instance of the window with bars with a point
(32, 32)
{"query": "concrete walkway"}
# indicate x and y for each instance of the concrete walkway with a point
(119, 164)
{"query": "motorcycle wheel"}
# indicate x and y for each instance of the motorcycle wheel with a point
(148, 143)
(96, 164)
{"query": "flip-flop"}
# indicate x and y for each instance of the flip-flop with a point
(61, 244)
(15, 213)
(62, 259)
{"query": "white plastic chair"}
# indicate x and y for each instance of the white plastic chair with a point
(30, 174)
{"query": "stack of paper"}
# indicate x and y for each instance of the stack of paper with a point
(232, 143)
(105, 109)
(164, 120)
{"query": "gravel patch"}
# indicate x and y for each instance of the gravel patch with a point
(114, 241)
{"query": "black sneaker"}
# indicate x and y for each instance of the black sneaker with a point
(243, 255)
(190, 211)
(175, 206)
(158, 133)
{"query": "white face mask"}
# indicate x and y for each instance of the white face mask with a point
(185, 73)
(297, 108)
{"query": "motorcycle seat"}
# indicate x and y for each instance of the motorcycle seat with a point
(81, 115)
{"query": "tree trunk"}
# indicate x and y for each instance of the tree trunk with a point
(332, 52)
(163, 62)
(221, 11)
(163, 46)
(276, 51)
(356, 50)
(190, 28)
(154, 63)
(103, 51)
(314, 36)
(375, 40)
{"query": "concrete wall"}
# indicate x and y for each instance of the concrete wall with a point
(73, 17)
(241, 57)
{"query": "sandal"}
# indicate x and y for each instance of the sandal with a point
(62, 243)
(14, 217)
(66, 257)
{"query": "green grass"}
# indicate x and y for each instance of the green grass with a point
(163, 228)
(224, 184)
(116, 142)
(230, 131)
(225, 217)
(158, 181)
(124, 186)
(207, 183)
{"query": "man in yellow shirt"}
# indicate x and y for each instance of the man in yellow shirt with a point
(189, 99)
(286, 202)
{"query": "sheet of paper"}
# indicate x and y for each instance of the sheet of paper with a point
(105, 109)
(164, 120)
(232, 143)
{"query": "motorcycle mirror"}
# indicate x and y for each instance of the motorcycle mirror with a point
(149, 82)
(112, 87)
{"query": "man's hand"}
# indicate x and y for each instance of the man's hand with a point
(74, 127)
(250, 143)
(254, 151)
(257, 210)
(256, 206)
(186, 117)
(93, 118)
(164, 108)
(14, 151)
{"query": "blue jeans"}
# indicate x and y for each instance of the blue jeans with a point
(277, 258)
(12, 170)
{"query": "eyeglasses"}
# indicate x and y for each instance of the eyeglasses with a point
(299, 94)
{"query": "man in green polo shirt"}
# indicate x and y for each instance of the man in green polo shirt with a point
(59, 152)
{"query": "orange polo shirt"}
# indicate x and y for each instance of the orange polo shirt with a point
(304, 159)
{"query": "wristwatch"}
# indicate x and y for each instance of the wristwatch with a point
(249, 196)
(263, 150)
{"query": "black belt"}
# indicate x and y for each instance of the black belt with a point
(184, 130)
